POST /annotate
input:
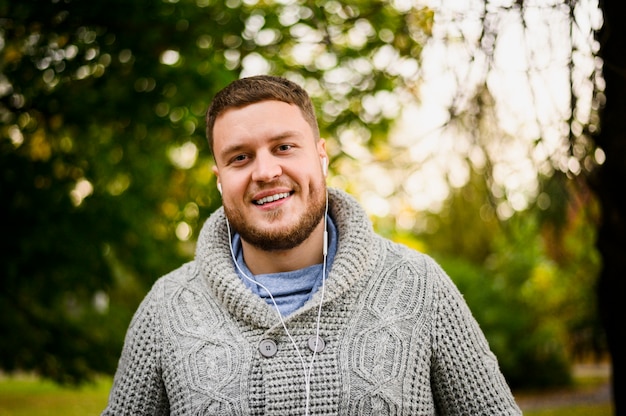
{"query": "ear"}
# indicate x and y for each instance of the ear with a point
(321, 150)
(216, 172)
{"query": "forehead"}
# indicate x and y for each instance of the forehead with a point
(265, 120)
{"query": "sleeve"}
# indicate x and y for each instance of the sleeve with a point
(465, 376)
(138, 387)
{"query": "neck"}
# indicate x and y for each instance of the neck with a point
(307, 254)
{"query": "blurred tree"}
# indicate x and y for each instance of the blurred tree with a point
(103, 182)
(505, 129)
(534, 95)
(96, 145)
(527, 281)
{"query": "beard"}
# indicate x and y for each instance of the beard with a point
(284, 238)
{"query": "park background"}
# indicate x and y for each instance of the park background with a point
(483, 133)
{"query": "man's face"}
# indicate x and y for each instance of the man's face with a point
(270, 169)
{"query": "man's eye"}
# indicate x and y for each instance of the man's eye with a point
(284, 147)
(238, 159)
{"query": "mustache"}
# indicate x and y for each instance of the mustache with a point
(256, 188)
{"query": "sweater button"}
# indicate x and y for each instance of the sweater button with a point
(268, 348)
(316, 344)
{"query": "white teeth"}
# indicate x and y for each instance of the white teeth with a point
(272, 198)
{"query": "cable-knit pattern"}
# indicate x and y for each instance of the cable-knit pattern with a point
(399, 338)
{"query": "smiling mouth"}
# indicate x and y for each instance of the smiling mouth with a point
(272, 198)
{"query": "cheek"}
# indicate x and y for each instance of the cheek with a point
(230, 187)
(307, 171)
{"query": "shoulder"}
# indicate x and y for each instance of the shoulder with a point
(406, 277)
(400, 255)
(166, 286)
(405, 266)
(181, 276)
(173, 299)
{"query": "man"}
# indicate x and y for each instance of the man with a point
(293, 305)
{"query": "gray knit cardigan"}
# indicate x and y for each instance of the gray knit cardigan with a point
(399, 338)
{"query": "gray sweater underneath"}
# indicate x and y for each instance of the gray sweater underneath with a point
(399, 338)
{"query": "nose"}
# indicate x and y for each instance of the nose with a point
(266, 168)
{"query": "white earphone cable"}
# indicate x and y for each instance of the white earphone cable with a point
(307, 373)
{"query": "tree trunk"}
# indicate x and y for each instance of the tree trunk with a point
(609, 184)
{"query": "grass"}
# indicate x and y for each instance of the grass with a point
(28, 395)
(585, 398)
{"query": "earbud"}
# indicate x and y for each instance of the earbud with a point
(219, 188)
(324, 166)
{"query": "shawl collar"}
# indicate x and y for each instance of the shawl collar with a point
(356, 256)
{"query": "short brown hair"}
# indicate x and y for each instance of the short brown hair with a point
(259, 88)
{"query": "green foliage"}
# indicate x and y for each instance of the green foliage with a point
(528, 349)
(470, 209)
(85, 173)
(533, 294)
